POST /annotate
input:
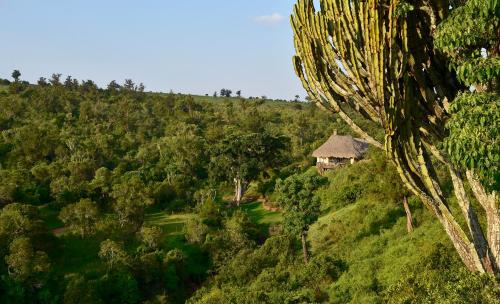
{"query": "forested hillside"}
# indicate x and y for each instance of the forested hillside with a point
(119, 196)
(381, 186)
(86, 174)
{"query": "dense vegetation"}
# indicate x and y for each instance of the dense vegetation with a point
(120, 196)
(100, 162)
(427, 73)
(117, 196)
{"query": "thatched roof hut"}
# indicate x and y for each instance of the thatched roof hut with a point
(342, 147)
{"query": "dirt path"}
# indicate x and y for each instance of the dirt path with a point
(59, 231)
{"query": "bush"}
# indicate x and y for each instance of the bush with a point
(195, 231)
(441, 278)
(119, 287)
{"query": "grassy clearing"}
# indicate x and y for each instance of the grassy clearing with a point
(50, 217)
(261, 216)
(77, 255)
(172, 224)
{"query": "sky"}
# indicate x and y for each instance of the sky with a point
(188, 46)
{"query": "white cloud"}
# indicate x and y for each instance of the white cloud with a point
(270, 19)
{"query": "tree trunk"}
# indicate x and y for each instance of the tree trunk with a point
(470, 217)
(409, 217)
(239, 190)
(304, 247)
(427, 189)
(489, 202)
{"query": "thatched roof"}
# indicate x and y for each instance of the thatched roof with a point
(342, 147)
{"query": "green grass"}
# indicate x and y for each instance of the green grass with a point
(371, 236)
(77, 255)
(261, 216)
(50, 217)
(172, 224)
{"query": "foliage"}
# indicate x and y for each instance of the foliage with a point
(195, 231)
(80, 217)
(113, 254)
(241, 156)
(469, 36)
(150, 237)
(439, 279)
(301, 207)
(119, 287)
(474, 140)
(270, 274)
(378, 58)
(105, 160)
(138, 157)
(24, 263)
(130, 201)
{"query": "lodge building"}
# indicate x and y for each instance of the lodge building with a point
(339, 150)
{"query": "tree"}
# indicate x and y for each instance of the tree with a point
(238, 93)
(471, 40)
(141, 87)
(55, 79)
(17, 220)
(237, 231)
(113, 254)
(9, 187)
(80, 217)
(16, 74)
(88, 86)
(42, 81)
(113, 86)
(129, 85)
(130, 200)
(68, 83)
(78, 290)
(225, 93)
(24, 264)
(151, 237)
(409, 216)
(388, 70)
(240, 157)
(300, 207)
(195, 231)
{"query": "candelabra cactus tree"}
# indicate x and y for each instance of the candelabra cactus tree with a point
(378, 58)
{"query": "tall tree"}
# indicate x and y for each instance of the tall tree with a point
(81, 217)
(471, 39)
(16, 74)
(378, 58)
(42, 81)
(240, 157)
(300, 207)
(129, 85)
(113, 254)
(113, 86)
(131, 199)
(25, 264)
(55, 79)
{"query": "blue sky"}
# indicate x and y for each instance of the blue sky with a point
(189, 46)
